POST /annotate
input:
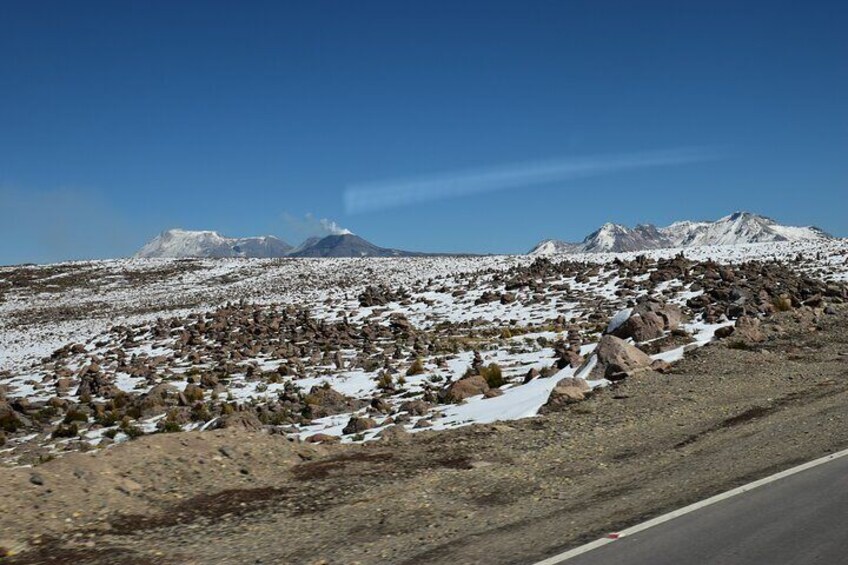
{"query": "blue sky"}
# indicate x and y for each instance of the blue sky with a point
(119, 119)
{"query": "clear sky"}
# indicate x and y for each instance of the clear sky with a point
(121, 119)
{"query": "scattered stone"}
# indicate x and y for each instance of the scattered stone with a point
(531, 374)
(244, 419)
(358, 425)
(393, 434)
(128, 486)
(323, 438)
(724, 332)
(661, 366)
(415, 407)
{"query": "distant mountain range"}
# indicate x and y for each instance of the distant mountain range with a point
(738, 228)
(177, 243)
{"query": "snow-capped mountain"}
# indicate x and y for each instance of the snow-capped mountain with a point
(346, 245)
(184, 243)
(553, 246)
(737, 228)
(177, 243)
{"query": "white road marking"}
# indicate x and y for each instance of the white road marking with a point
(612, 537)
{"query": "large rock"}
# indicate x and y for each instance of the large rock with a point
(748, 329)
(394, 434)
(415, 407)
(618, 359)
(641, 327)
(574, 382)
(244, 419)
(466, 388)
(358, 425)
(648, 320)
(567, 391)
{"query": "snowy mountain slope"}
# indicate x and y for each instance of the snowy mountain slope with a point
(737, 228)
(346, 245)
(177, 243)
(552, 246)
(617, 238)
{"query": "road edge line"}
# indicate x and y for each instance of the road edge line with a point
(564, 556)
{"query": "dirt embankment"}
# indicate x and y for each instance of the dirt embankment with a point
(504, 493)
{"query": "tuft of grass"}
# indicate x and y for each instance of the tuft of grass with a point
(75, 415)
(106, 419)
(782, 303)
(193, 393)
(170, 427)
(66, 430)
(9, 423)
(200, 413)
(133, 431)
(493, 375)
(416, 368)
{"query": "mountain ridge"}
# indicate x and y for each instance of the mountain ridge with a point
(180, 243)
(736, 228)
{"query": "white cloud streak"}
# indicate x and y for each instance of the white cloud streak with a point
(369, 197)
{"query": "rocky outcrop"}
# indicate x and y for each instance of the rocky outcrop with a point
(465, 388)
(617, 359)
(649, 319)
(567, 391)
(746, 328)
(358, 425)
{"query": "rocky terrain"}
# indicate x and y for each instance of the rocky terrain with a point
(239, 378)
(508, 492)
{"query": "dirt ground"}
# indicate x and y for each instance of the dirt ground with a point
(503, 493)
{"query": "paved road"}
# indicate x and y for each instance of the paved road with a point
(800, 519)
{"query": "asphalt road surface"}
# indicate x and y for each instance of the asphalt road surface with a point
(802, 518)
